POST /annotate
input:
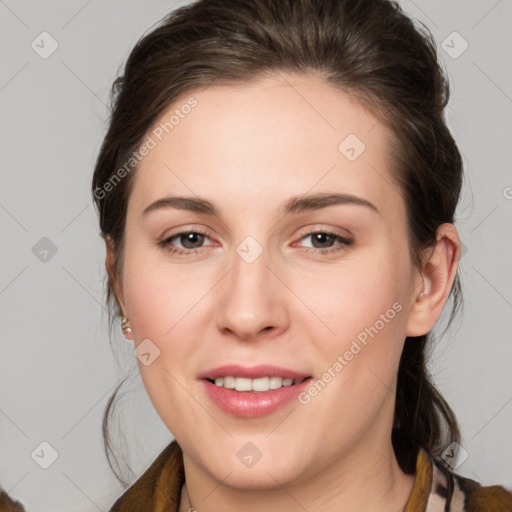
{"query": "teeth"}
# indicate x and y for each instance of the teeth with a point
(229, 382)
(275, 382)
(243, 384)
(260, 384)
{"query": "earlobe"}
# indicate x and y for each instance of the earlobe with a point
(125, 327)
(438, 273)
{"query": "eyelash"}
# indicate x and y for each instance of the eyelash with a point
(343, 242)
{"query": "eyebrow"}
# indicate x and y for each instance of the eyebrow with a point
(294, 205)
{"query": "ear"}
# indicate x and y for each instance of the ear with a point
(438, 273)
(115, 280)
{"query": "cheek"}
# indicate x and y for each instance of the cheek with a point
(159, 295)
(345, 300)
(358, 328)
(161, 303)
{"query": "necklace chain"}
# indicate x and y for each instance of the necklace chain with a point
(191, 509)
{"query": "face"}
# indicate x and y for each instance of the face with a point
(274, 283)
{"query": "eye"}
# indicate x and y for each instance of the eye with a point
(190, 241)
(325, 241)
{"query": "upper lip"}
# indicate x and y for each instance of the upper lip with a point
(251, 372)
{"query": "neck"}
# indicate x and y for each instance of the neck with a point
(366, 478)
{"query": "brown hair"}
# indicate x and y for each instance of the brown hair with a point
(368, 48)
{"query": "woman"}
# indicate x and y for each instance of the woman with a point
(277, 191)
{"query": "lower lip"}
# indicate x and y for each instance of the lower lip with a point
(250, 404)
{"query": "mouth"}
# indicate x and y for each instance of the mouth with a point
(253, 391)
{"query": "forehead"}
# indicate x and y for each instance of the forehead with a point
(275, 137)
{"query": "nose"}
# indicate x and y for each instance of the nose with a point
(253, 302)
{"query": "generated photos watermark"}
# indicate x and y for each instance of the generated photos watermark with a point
(357, 345)
(148, 144)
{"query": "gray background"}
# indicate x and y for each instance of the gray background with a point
(56, 367)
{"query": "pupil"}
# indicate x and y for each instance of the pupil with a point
(188, 240)
(319, 236)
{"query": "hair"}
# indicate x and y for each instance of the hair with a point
(370, 50)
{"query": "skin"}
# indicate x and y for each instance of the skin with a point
(248, 149)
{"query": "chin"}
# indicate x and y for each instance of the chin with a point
(262, 476)
(251, 468)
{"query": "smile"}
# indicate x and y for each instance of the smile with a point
(259, 385)
(255, 391)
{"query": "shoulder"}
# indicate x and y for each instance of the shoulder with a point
(479, 498)
(158, 487)
(7, 504)
(467, 495)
